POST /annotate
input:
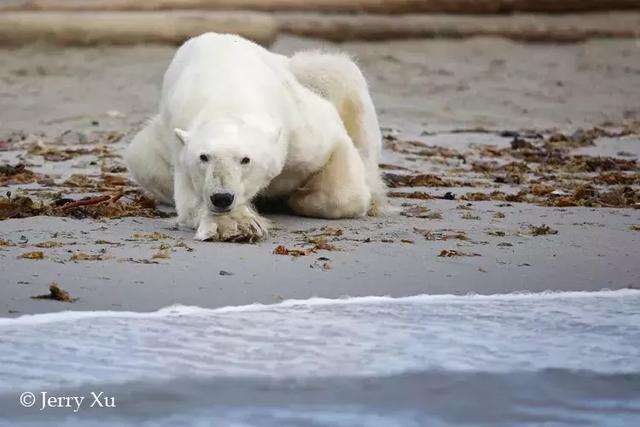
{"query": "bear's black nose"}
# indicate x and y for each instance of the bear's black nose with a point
(222, 200)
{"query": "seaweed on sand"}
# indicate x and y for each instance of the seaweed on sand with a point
(56, 293)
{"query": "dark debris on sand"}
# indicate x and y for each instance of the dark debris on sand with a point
(542, 167)
(104, 191)
(56, 293)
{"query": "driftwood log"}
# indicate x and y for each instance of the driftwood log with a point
(173, 27)
(338, 6)
(521, 27)
(86, 28)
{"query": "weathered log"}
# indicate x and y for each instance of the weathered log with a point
(86, 28)
(338, 6)
(522, 27)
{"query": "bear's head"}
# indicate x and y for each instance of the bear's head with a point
(229, 161)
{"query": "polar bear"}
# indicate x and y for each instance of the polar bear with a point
(237, 121)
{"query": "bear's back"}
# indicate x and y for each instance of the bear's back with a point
(222, 72)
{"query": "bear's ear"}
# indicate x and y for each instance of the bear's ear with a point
(182, 135)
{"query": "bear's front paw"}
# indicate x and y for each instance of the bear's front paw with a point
(207, 230)
(241, 225)
(186, 222)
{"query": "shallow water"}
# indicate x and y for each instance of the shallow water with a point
(527, 359)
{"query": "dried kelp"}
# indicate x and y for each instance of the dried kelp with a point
(106, 206)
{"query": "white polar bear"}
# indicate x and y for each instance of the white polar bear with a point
(237, 121)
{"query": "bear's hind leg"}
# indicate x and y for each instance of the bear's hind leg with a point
(339, 190)
(147, 167)
(337, 78)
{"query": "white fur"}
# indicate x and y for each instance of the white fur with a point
(307, 125)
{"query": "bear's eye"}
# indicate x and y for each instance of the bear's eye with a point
(204, 157)
(245, 160)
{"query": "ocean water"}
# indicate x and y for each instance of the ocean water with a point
(553, 359)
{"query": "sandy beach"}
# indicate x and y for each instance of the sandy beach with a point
(453, 110)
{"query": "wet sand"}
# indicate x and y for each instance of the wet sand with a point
(423, 91)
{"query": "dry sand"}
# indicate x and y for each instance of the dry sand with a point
(430, 87)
